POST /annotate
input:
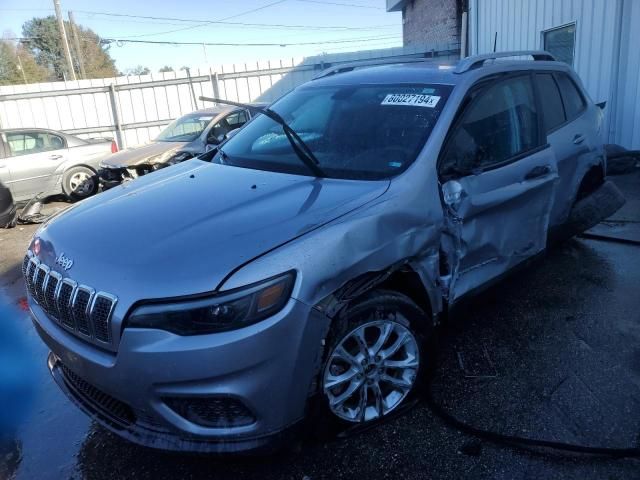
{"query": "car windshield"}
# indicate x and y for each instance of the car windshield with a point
(185, 129)
(365, 132)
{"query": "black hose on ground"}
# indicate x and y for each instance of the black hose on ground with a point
(515, 441)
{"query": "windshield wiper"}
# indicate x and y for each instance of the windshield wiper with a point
(301, 149)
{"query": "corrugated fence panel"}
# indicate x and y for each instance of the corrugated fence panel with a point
(519, 24)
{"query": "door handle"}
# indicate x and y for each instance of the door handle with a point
(578, 139)
(537, 172)
(55, 157)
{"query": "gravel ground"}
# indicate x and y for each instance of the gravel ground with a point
(553, 352)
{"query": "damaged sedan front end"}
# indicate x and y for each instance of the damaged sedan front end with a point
(184, 138)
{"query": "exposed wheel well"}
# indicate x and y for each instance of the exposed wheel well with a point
(398, 278)
(408, 282)
(593, 179)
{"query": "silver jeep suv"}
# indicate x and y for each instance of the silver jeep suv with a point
(215, 305)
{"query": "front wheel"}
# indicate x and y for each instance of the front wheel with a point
(79, 183)
(375, 358)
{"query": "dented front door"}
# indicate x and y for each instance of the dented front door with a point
(497, 180)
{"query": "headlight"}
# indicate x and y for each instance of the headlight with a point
(230, 310)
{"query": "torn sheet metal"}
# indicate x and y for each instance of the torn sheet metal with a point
(497, 219)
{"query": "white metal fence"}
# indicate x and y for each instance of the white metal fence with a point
(133, 109)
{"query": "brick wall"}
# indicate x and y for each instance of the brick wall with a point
(431, 22)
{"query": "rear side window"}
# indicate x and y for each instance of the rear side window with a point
(500, 123)
(574, 104)
(552, 109)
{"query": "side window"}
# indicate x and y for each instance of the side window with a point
(224, 126)
(500, 122)
(552, 109)
(25, 143)
(574, 104)
(237, 119)
(52, 142)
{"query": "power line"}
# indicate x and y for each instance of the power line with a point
(120, 41)
(222, 22)
(340, 4)
(206, 23)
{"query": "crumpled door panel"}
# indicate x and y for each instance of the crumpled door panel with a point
(500, 219)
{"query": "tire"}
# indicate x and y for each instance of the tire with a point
(79, 182)
(380, 380)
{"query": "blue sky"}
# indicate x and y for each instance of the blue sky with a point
(369, 26)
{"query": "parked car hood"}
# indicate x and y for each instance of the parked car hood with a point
(183, 229)
(156, 152)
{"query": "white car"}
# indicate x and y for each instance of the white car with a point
(36, 161)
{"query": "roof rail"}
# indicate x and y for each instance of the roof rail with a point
(476, 61)
(348, 67)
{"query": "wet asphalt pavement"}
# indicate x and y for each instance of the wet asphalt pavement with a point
(553, 352)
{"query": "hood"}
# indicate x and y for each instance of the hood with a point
(181, 230)
(156, 152)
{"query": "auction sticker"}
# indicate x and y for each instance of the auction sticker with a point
(415, 99)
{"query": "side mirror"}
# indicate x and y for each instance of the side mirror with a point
(213, 141)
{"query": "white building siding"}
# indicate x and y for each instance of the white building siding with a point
(607, 48)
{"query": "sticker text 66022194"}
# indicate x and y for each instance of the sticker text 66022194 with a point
(412, 99)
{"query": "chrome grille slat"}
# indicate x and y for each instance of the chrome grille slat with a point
(78, 308)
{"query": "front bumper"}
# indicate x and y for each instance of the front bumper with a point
(268, 367)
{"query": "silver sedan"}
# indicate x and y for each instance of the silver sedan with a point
(35, 161)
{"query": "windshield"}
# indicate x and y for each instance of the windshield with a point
(355, 132)
(185, 129)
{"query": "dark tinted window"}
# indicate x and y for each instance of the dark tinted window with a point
(500, 123)
(552, 108)
(573, 101)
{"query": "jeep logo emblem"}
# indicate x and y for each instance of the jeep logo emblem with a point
(65, 262)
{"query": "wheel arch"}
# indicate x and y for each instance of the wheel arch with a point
(591, 180)
(400, 278)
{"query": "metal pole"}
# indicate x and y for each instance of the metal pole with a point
(63, 37)
(193, 92)
(215, 84)
(116, 117)
(463, 35)
(76, 44)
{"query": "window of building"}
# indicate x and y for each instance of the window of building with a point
(571, 97)
(560, 42)
(552, 108)
(500, 123)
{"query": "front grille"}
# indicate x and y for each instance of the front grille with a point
(78, 308)
(91, 396)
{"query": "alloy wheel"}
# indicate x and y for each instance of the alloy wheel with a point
(371, 370)
(81, 183)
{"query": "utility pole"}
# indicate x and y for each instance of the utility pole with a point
(63, 37)
(76, 43)
(24, 77)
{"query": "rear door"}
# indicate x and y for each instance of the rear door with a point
(497, 176)
(571, 134)
(34, 157)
